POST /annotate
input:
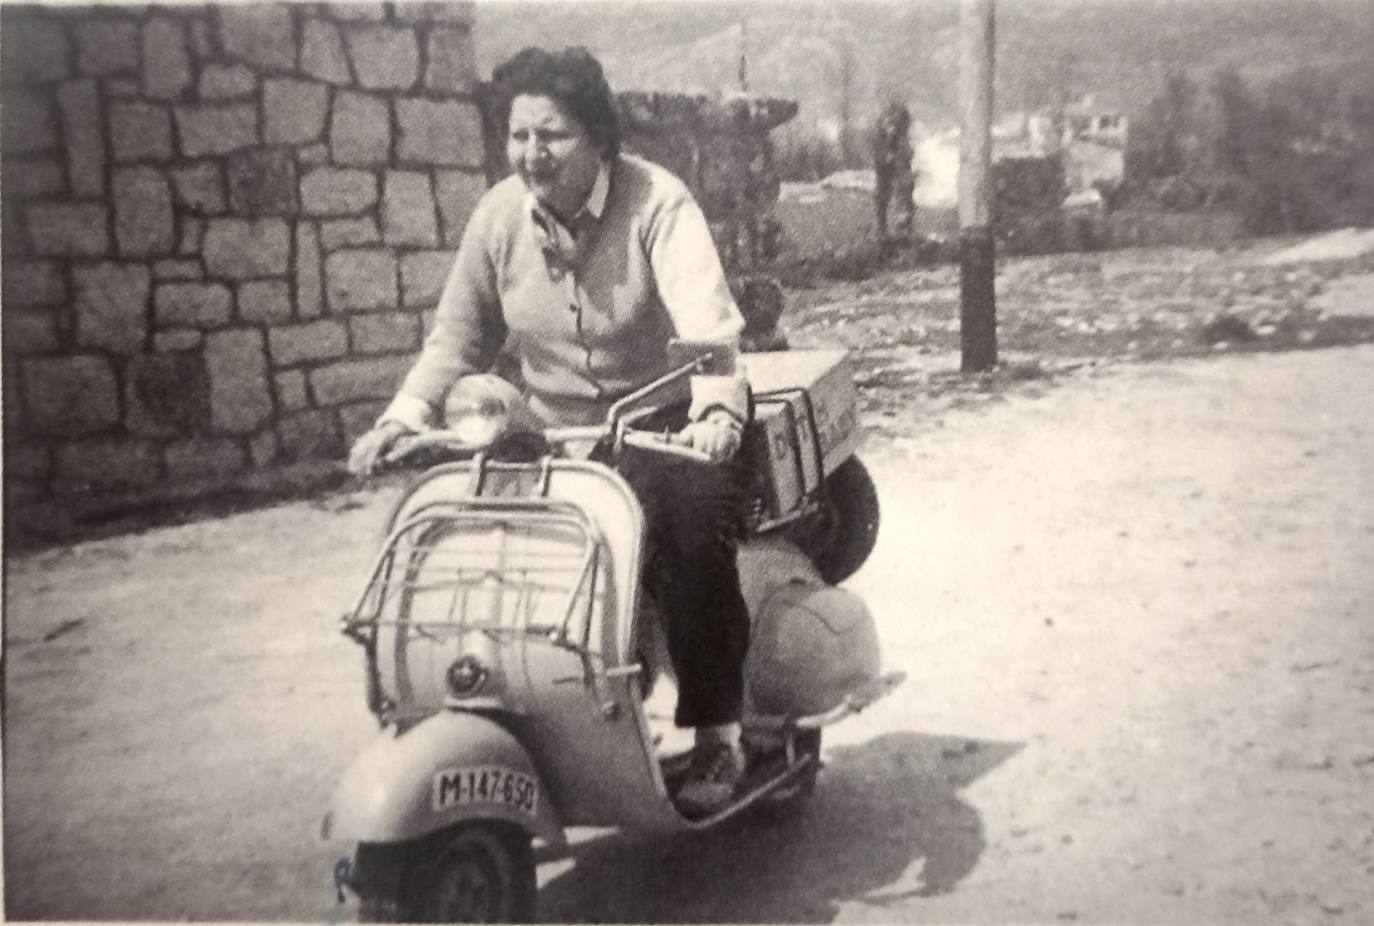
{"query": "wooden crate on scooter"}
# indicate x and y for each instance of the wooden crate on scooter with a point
(806, 412)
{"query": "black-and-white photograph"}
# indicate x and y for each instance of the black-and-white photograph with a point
(688, 461)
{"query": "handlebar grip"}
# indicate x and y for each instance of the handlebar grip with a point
(663, 443)
(411, 444)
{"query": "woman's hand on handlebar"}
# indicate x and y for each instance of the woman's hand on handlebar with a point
(717, 435)
(369, 449)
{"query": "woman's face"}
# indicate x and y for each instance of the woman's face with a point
(552, 153)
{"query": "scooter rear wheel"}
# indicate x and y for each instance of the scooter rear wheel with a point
(840, 540)
(476, 872)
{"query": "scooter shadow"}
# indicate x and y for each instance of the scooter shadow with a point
(879, 809)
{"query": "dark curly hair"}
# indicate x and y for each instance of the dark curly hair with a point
(574, 78)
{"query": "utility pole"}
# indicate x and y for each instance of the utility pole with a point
(977, 289)
(744, 54)
(846, 98)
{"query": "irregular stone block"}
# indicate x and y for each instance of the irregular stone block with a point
(357, 12)
(358, 419)
(165, 394)
(290, 388)
(144, 225)
(200, 188)
(295, 111)
(194, 305)
(262, 182)
(175, 269)
(408, 210)
(445, 133)
(67, 229)
(140, 131)
(12, 231)
(319, 340)
(173, 340)
(451, 61)
(227, 82)
(166, 60)
(259, 35)
(112, 306)
(383, 57)
(71, 396)
(457, 195)
(262, 448)
(123, 88)
(360, 131)
(216, 129)
(106, 46)
(40, 176)
(386, 333)
(26, 122)
(265, 302)
(360, 280)
(204, 456)
(203, 39)
(32, 283)
(245, 249)
(311, 435)
(15, 412)
(27, 461)
(356, 380)
(87, 466)
(240, 392)
(29, 331)
(327, 191)
(436, 11)
(33, 50)
(82, 124)
(322, 53)
(347, 233)
(313, 155)
(422, 277)
(192, 235)
(309, 273)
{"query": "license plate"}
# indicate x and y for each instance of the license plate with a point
(485, 784)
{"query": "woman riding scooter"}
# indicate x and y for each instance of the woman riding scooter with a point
(583, 265)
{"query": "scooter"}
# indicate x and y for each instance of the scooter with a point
(510, 652)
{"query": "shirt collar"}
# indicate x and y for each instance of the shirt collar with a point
(594, 207)
(601, 189)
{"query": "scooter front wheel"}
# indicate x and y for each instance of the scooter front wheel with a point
(475, 872)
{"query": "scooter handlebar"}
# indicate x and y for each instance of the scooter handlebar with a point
(674, 445)
(669, 444)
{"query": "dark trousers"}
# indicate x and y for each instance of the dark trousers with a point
(694, 515)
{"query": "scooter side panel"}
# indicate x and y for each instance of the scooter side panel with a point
(450, 767)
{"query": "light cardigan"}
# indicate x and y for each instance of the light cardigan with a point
(589, 313)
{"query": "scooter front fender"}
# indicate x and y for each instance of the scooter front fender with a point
(450, 767)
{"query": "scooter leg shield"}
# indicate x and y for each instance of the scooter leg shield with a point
(451, 767)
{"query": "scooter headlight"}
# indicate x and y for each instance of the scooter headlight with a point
(466, 676)
(478, 422)
(480, 408)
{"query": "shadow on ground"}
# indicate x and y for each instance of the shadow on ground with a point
(885, 824)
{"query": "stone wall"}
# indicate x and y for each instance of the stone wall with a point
(222, 228)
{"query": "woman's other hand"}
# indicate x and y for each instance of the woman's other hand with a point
(717, 435)
(370, 448)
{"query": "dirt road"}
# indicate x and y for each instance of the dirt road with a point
(1137, 610)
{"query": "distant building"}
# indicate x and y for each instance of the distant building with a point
(1086, 120)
